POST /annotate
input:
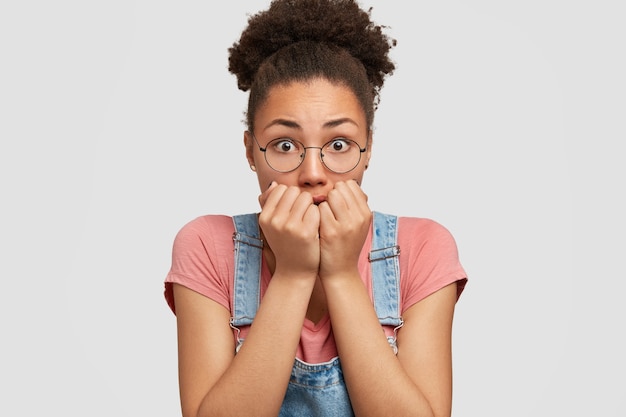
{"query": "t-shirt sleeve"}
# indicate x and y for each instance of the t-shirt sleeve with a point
(429, 260)
(202, 259)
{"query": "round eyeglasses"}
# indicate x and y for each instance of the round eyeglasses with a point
(339, 155)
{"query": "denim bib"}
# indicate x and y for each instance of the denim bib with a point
(317, 389)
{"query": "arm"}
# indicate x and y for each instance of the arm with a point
(418, 381)
(214, 381)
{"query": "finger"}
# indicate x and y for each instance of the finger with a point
(312, 216)
(301, 205)
(327, 215)
(348, 202)
(263, 196)
(361, 198)
(355, 186)
(326, 211)
(282, 207)
(272, 198)
(356, 199)
(342, 200)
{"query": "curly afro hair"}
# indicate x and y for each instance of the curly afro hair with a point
(297, 40)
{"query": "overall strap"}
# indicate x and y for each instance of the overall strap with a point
(248, 253)
(386, 269)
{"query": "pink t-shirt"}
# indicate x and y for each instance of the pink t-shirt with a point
(203, 261)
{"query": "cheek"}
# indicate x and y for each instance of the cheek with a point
(266, 175)
(264, 179)
(357, 175)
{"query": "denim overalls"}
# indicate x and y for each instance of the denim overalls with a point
(317, 389)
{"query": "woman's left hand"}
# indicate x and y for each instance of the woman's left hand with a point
(345, 219)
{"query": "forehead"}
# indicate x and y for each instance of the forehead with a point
(315, 101)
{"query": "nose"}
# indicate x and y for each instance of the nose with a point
(312, 170)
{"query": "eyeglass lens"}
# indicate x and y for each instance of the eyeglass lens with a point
(338, 155)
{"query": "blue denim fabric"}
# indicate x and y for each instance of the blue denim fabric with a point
(317, 390)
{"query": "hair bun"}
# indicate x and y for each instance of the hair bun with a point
(339, 22)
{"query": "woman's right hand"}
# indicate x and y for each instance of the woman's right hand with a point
(290, 224)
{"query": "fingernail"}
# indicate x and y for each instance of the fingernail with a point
(268, 187)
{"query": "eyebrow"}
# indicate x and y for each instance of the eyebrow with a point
(295, 125)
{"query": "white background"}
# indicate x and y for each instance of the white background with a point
(119, 122)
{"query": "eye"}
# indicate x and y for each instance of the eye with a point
(284, 145)
(339, 145)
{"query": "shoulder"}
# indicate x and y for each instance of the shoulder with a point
(206, 223)
(205, 232)
(429, 257)
(210, 224)
(415, 230)
(423, 236)
(423, 229)
(426, 238)
(202, 258)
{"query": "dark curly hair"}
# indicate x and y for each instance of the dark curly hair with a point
(298, 40)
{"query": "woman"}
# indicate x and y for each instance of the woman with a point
(280, 312)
